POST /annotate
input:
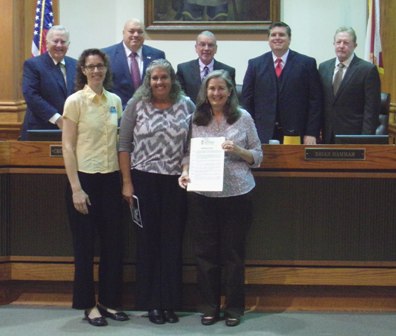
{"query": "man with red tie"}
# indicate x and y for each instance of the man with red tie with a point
(282, 91)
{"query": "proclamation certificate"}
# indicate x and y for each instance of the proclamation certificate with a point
(206, 169)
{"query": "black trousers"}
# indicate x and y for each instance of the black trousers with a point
(220, 226)
(104, 219)
(159, 242)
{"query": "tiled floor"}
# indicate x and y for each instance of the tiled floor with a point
(16, 320)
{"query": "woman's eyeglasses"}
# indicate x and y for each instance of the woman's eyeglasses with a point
(91, 67)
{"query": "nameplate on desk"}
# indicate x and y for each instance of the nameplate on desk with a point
(56, 151)
(335, 154)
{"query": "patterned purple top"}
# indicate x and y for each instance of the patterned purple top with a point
(156, 139)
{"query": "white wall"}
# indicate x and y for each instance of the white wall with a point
(99, 23)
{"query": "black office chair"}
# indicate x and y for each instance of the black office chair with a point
(382, 129)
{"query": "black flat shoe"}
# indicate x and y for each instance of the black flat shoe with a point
(207, 320)
(96, 321)
(232, 321)
(170, 316)
(118, 316)
(156, 316)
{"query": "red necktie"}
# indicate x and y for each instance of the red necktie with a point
(278, 67)
(135, 72)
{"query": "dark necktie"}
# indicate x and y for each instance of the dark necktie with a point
(338, 77)
(205, 72)
(62, 71)
(135, 72)
(278, 67)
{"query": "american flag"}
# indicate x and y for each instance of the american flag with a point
(43, 21)
(373, 47)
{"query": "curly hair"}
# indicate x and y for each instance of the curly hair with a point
(81, 79)
(203, 112)
(144, 92)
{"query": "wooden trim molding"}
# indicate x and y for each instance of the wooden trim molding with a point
(285, 158)
(62, 269)
(5, 272)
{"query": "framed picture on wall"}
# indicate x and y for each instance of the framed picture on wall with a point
(215, 15)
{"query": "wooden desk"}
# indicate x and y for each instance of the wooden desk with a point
(316, 222)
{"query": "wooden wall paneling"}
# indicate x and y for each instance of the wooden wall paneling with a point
(43, 269)
(388, 38)
(12, 105)
(4, 154)
(16, 28)
(4, 216)
(343, 220)
(35, 154)
(344, 237)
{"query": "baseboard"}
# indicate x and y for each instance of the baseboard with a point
(259, 298)
(62, 269)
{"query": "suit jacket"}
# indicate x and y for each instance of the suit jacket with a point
(122, 81)
(45, 91)
(355, 108)
(294, 100)
(189, 76)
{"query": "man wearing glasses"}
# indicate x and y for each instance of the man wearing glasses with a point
(48, 80)
(130, 59)
(190, 74)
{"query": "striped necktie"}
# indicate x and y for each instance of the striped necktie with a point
(205, 72)
(338, 77)
(135, 71)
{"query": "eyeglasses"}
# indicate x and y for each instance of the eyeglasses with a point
(208, 45)
(91, 67)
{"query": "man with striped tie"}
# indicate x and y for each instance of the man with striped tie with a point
(129, 60)
(352, 90)
(191, 73)
(48, 80)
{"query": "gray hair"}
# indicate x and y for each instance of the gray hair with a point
(137, 22)
(203, 112)
(144, 91)
(207, 33)
(346, 29)
(58, 28)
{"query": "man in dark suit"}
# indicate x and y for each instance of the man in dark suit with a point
(354, 107)
(122, 56)
(282, 91)
(190, 74)
(48, 80)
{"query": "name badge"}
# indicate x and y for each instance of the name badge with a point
(114, 116)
